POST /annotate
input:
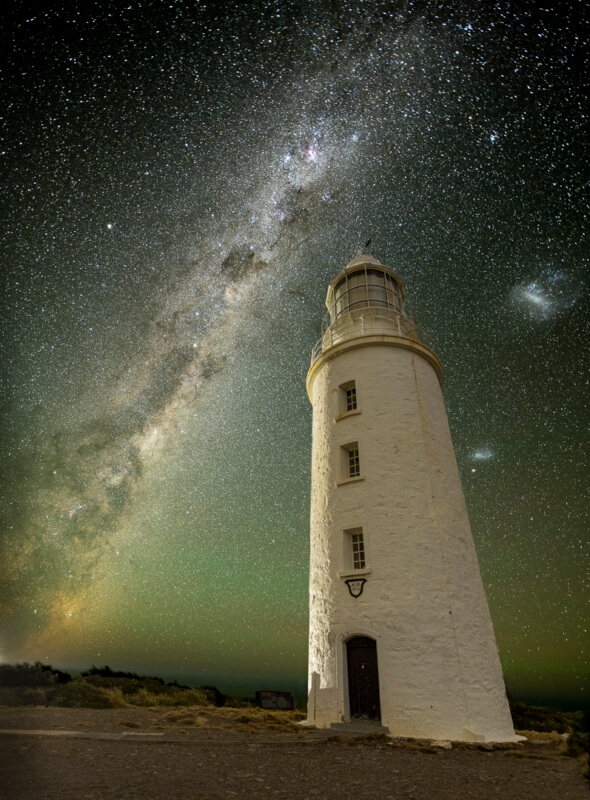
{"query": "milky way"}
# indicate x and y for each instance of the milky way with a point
(182, 183)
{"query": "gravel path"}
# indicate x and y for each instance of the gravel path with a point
(79, 754)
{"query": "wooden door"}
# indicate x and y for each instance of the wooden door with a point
(363, 678)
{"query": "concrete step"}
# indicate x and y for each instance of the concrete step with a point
(356, 726)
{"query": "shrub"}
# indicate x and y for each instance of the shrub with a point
(79, 694)
(9, 696)
(33, 696)
(192, 697)
(107, 672)
(125, 685)
(117, 698)
(36, 674)
(540, 718)
(216, 697)
(23, 696)
(179, 697)
(577, 744)
(100, 687)
(146, 698)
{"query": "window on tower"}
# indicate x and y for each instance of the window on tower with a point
(354, 467)
(354, 551)
(347, 400)
(357, 545)
(350, 461)
(351, 398)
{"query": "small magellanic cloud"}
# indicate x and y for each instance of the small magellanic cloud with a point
(482, 454)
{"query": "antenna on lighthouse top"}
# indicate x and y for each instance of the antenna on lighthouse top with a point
(363, 249)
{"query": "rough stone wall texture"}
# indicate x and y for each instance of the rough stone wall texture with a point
(439, 671)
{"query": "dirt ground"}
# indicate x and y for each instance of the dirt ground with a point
(210, 754)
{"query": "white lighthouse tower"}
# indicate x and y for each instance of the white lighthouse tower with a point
(399, 624)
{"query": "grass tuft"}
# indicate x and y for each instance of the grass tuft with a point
(541, 737)
(117, 698)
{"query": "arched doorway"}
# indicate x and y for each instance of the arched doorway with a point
(363, 678)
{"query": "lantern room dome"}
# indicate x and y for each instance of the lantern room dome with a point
(362, 258)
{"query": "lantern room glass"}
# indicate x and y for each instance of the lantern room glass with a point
(364, 288)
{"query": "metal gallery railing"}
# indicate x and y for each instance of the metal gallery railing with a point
(365, 322)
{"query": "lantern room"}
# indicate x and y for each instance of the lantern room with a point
(365, 283)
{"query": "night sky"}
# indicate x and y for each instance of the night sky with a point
(180, 182)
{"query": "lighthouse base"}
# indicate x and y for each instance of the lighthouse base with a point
(326, 710)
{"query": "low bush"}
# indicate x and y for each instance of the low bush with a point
(144, 697)
(23, 696)
(176, 697)
(117, 698)
(35, 675)
(99, 687)
(577, 744)
(9, 696)
(79, 694)
(540, 718)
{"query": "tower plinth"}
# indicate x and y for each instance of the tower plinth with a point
(399, 624)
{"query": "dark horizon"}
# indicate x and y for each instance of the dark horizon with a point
(248, 686)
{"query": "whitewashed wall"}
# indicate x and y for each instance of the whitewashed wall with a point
(424, 603)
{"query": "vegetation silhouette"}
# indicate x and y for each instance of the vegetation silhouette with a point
(542, 718)
(98, 687)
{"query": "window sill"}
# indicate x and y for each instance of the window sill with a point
(347, 414)
(350, 480)
(354, 573)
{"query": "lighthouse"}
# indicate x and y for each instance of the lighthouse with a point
(400, 631)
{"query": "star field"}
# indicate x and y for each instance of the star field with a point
(181, 183)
